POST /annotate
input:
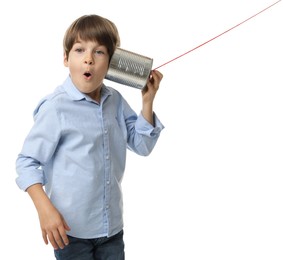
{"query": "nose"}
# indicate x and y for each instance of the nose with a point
(88, 61)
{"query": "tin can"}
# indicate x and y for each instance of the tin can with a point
(129, 68)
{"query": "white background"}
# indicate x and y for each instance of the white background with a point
(212, 188)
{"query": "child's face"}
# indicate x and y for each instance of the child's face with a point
(88, 64)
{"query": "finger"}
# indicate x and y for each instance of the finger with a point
(52, 240)
(58, 239)
(63, 235)
(158, 75)
(44, 236)
(155, 79)
(154, 82)
(66, 225)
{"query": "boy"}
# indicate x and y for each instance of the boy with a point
(77, 148)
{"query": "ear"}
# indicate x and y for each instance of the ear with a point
(66, 60)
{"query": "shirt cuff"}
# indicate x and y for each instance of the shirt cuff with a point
(145, 128)
(28, 179)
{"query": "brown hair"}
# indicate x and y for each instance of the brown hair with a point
(92, 28)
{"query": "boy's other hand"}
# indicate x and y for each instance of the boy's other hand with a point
(53, 227)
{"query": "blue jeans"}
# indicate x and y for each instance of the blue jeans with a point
(104, 248)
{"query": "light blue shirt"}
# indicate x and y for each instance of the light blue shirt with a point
(77, 149)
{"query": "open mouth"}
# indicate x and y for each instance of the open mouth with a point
(87, 75)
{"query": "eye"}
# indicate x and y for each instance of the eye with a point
(79, 50)
(99, 52)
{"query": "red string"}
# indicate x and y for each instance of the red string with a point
(217, 35)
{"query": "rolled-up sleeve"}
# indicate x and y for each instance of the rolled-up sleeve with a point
(145, 128)
(38, 147)
(145, 136)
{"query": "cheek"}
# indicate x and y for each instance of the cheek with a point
(73, 60)
(104, 67)
(74, 67)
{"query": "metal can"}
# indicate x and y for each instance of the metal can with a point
(129, 68)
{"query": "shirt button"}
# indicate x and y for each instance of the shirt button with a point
(105, 131)
(107, 157)
(108, 182)
(107, 206)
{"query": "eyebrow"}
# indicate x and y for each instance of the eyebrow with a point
(98, 45)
